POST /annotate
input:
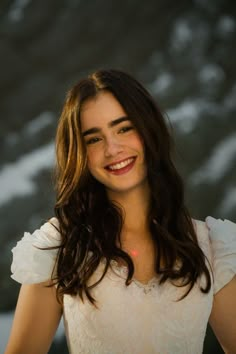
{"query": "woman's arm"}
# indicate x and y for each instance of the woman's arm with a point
(36, 319)
(223, 317)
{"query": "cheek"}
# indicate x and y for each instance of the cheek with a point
(138, 144)
(93, 159)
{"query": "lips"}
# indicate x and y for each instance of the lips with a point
(121, 166)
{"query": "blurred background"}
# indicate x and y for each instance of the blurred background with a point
(182, 51)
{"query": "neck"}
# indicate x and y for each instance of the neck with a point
(136, 208)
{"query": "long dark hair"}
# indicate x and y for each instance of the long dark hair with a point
(90, 224)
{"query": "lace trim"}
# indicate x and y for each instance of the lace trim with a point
(122, 271)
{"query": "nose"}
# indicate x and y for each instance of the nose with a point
(112, 147)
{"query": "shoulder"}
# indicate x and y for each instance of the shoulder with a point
(215, 230)
(220, 235)
(35, 254)
(221, 230)
(48, 234)
(202, 232)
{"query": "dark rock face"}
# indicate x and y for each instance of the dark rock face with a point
(183, 52)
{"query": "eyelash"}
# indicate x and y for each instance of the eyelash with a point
(121, 130)
(92, 141)
(126, 129)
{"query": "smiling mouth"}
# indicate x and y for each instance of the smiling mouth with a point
(120, 165)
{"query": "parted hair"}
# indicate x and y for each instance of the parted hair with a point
(90, 223)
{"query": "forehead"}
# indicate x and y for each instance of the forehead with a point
(100, 110)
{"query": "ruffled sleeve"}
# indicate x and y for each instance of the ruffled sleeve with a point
(32, 264)
(223, 243)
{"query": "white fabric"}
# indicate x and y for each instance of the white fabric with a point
(139, 318)
(30, 263)
(223, 243)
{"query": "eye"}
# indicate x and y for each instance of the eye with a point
(92, 141)
(126, 129)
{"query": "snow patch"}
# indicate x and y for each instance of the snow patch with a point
(16, 12)
(211, 73)
(229, 201)
(187, 113)
(226, 26)
(16, 179)
(162, 83)
(39, 123)
(182, 35)
(218, 164)
(32, 127)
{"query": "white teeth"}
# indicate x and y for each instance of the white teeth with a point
(121, 164)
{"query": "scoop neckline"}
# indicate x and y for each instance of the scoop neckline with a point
(123, 272)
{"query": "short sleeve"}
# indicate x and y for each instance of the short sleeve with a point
(31, 264)
(222, 235)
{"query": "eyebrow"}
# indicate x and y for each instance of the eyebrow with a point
(111, 124)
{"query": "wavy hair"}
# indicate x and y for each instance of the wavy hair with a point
(90, 224)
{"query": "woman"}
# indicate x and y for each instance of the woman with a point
(123, 261)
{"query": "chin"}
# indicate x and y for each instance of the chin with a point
(126, 188)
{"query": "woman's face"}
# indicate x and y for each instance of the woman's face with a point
(115, 150)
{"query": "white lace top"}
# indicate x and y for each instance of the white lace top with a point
(134, 319)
